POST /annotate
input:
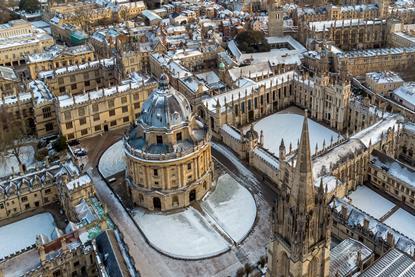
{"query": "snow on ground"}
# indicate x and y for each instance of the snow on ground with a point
(21, 234)
(113, 160)
(288, 126)
(403, 222)
(232, 207)
(10, 163)
(370, 202)
(185, 234)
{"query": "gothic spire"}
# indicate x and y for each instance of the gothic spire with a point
(302, 189)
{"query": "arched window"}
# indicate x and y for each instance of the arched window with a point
(175, 201)
(312, 267)
(285, 265)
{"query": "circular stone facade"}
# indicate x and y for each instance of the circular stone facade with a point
(169, 162)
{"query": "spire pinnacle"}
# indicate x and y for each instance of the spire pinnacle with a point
(303, 187)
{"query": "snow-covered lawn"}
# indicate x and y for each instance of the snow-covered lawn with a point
(403, 222)
(370, 202)
(228, 212)
(232, 207)
(288, 126)
(184, 234)
(21, 234)
(113, 160)
(10, 163)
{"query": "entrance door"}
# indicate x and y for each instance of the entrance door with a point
(156, 203)
(192, 195)
(106, 128)
(251, 115)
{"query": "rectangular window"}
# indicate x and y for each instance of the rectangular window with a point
(69, 125)
(82, 121)
(46, 112)
(124, 100)
(67, 115)
(111, 103)
(48, 127)
(81, 111)
(155, 172)
(189, 166)
(73, 86)
(124, 109)
(84, 132)
(136, 106)
(97, 128)
(24, 199)
(111, 112)
(87, 83)
(95, 107)
(113, 123)
(96, 117)
(126, 119)
(47, 191)
(71, 136)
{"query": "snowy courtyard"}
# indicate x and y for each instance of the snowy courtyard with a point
(370, 202)
(227, 216)
(10, 163)
(224, 205)
(287, 125)
(21, 234)
(113, 160)
(403, 222)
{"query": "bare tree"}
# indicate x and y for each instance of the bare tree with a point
(12, 136)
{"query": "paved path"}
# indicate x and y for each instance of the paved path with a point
(131, 235)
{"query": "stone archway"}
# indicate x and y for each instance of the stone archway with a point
(156, 203)
(192, 195)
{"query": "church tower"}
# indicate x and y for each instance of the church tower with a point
(275, 19)
(301, 222)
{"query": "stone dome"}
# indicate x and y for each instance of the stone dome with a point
(165, 107)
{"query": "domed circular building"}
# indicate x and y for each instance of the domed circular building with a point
(169, 162)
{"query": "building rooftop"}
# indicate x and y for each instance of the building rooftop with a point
(393, 263)
(344, 260)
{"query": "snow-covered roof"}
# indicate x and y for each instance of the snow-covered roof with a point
(376, 52)
(393, 263)
(320, 26)
(240, 92)
(67, 100)
(267, 157)
(232, 132)
(79, 182)
(7, 73)
(355, 218)
(385, 77)
(337, 155)
(406, 92)
(393, 167)
(374, 133)
(344, 257)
